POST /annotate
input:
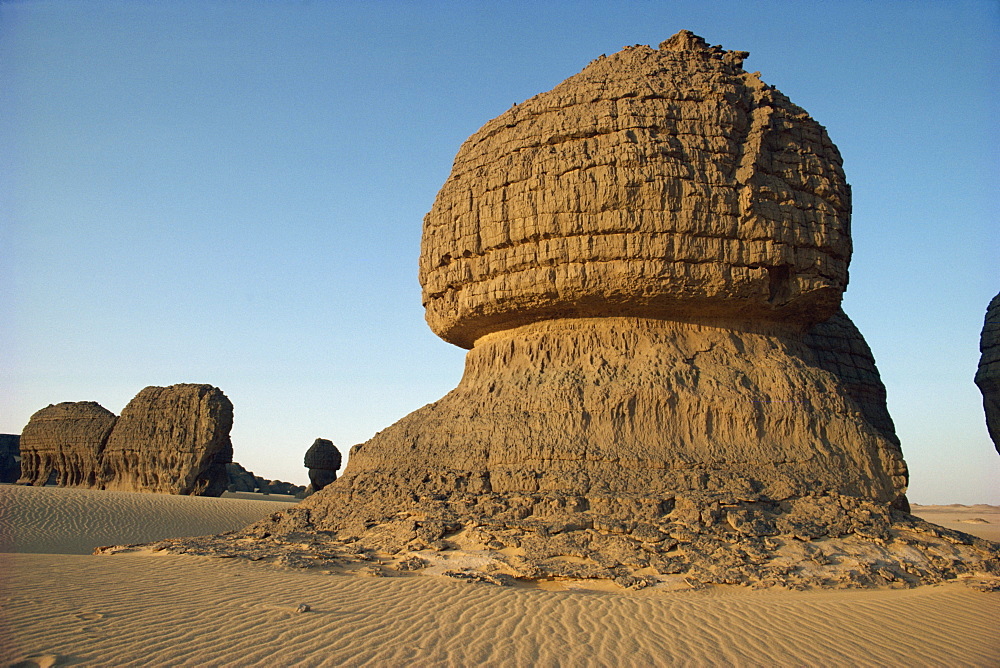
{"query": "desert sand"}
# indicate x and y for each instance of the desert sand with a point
(60, 606)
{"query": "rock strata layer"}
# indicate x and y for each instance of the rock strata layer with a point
(646, 264)
(988, 374)
(67, 438)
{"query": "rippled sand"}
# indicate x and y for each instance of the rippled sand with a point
(169, 610)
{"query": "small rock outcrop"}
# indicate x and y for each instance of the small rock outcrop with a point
(173, 440)
(646, 265)
(988, 374)
(242, 480)
(67, 439)
(323, 461)
(10, 457)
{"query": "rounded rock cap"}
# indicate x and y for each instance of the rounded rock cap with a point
(665, 183)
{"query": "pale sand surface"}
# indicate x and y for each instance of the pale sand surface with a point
(980, 520)
(174, 610)
(63, 520)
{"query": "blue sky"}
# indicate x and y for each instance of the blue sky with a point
(232, 193)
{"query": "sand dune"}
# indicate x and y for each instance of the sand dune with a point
(979, 520)
(74, 521)
(158, 610)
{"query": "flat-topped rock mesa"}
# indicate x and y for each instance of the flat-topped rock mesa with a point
(67, 438)
(173, 440)
(646, 264)
(988, 374)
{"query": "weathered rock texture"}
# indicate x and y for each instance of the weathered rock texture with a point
(323, 461)
(173, 440)
(646, 264)
(69, 439)
(988, 375)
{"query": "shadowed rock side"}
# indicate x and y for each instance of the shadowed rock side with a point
(646, 264)
(242, 480)
(173, 440)
(988, 374)
(323, 461)
(68, 438)
(10, 457)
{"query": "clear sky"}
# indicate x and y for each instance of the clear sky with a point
(232, 193)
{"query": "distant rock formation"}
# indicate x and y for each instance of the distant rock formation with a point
(323, 461)
(10, 457)
(988, 375)
(242, 480)
(67, 439)
(646, 264)
(173, 440)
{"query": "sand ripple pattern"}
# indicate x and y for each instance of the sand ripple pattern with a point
(136, 610)
(54, 520)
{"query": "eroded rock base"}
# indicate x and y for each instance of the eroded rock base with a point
(824, 541)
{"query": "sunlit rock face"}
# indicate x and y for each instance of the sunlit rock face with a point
(988, 374)
(646, 264)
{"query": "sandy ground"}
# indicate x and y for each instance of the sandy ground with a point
(61, 607)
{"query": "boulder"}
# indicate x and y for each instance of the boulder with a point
(66, 440)
(988, 374)
(173, 440)
(10, 457)
(239, 479)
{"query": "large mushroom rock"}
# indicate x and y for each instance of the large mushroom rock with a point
(323, 461)
(172, 440)
(10, 457)
(68, 439)
(646, 264)
(988, 374)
